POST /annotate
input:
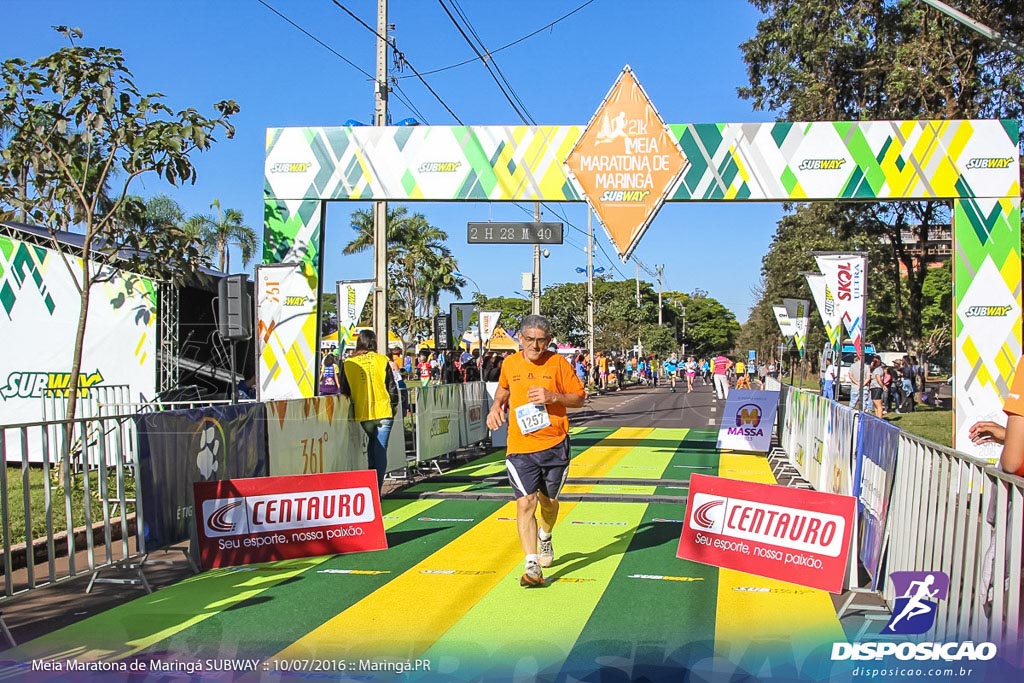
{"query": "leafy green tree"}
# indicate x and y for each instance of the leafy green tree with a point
(80, 125)
(815, 60)
(420, 268)
(711, 328)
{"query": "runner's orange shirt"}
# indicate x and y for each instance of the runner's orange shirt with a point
(518, 375)
(1014, 400)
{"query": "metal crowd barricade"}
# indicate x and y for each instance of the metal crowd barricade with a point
(53, 448)
(950, 512)
(955, 513)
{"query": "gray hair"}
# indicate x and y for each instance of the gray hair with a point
(537, 322)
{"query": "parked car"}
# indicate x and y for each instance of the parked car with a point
(847, 356)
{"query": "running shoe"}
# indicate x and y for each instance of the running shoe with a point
(533, 577)
(545, 552)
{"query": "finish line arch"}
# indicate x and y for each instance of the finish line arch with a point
(972, 163)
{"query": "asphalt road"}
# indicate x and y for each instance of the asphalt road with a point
(652, 407)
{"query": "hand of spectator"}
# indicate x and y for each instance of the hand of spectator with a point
(987, 431)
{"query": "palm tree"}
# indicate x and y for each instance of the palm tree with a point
(221, 231)
(419, 264)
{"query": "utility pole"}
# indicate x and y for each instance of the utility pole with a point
(380, 209)
(683, 332)
(659, 269)
(590, 288)
(535, 300)
(639, 346)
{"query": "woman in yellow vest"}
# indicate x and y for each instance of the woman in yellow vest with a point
(370, 384)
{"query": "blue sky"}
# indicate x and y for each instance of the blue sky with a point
(685, 53)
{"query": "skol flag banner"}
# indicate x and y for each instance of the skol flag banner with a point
(352, 295)
(799, 312)
(286, 330)
(846, 275)
(626, 161)
(793, 535)
(825, 300)
(488, 323)
(461, 313)
(786, 325)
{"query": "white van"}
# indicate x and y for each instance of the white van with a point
(848, 355)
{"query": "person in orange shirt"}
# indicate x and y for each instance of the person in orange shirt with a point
(1012, 435)
(535, 387)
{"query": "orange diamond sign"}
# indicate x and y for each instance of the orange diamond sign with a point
(626, 161)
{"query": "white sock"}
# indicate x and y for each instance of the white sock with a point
(543, 535)
(531, 559)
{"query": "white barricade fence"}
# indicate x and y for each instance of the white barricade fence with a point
(438, 412)
(954, 513)
(499, 437)
(473, 421)
(924, 507)
(772, 384)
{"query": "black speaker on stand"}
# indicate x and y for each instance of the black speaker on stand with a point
(234, 317)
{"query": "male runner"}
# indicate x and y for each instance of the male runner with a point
(536, 386)
(671, 367)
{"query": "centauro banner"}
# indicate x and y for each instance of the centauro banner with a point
(286, 330)
(846, 274)
(352, 296)
(39, 307)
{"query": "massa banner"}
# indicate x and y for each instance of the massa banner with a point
(747, 420)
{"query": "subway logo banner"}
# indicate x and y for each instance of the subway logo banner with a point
(286, 330)
(793, 535)
(242, 521)
(39, 307)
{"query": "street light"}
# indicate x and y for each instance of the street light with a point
(479, 311)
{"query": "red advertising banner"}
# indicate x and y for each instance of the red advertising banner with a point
(793, 535)
(242, 521)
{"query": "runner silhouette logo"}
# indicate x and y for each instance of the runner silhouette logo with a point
(917, 595)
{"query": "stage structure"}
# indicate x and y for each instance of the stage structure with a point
(626, 162)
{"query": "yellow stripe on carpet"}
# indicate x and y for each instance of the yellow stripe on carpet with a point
(754, 608)
(426, 600)
(598, 460)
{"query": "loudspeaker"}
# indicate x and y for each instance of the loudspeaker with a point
(442, 332)
(234, 308)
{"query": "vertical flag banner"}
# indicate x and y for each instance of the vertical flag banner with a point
(824, 299)
(352, 296)
(488, 323)
(799, 311)
(287, 326)
(461, 313)
(786, 325)
(846, 275)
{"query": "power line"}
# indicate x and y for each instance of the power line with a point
(319, 42)
(402, 97)
(486, 63)
(508, 45)
(401, 56)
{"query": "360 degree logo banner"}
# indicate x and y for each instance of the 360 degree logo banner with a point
(793, 535)
(242, 521)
